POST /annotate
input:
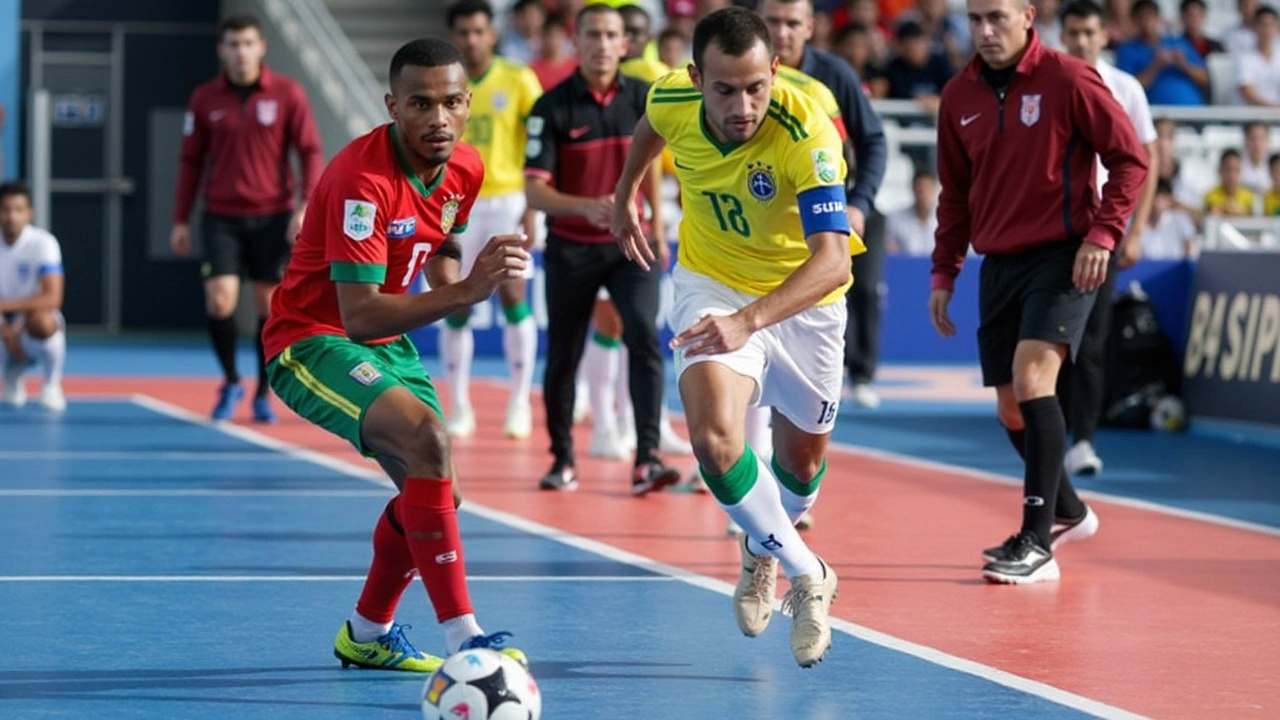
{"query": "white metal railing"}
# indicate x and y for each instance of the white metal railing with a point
(345, 81)
(1242, 234)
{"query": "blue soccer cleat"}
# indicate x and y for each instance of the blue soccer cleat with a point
(262, 412)
(228, 396)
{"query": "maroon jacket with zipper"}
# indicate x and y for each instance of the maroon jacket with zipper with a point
(245, 144)
(1018, 172)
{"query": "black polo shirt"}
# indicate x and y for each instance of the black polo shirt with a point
(578, 142)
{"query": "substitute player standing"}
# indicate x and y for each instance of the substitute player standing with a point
(763, 266)
(388, 205)
(502, 95)
(242, 125)
(1018, 132)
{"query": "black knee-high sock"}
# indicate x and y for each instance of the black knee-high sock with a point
(1069, 506)
(1046, 441)
(263, 385)
(223, 333)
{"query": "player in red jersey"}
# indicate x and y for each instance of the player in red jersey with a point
(390, 204)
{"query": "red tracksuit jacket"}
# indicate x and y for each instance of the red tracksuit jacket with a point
(1019, 172)
(246, 145)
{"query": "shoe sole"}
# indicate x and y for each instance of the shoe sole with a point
(567, 487)
(665, 480)
(1047, 572)
(349, 662)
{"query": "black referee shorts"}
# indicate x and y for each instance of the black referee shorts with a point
(1028, 296)
(246, 245)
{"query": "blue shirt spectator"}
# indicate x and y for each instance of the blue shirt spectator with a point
(1170, 69)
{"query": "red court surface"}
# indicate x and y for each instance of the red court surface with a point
(1159, 615)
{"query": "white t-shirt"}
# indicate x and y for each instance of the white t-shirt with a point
(1260, 73)
(1127, 91)
(912, 236)
(1168, 238)
(1240, 39)
(35, 254)
(1255, 177)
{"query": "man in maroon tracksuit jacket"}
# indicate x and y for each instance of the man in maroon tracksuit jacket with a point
(242, 125)
(1018, 131)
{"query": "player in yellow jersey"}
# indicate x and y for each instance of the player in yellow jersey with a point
(759, 312)
(502, 94)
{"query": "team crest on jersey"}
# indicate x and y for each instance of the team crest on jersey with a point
(403, 228)
(448, 214)
(267, 111)
(499, 101)
(365, 374)
(1030, 110)
(761, 182)
(824, 165)
(357, 219)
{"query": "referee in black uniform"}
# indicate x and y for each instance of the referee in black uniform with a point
(579, 135)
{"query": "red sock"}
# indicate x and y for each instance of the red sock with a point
(392, 569)
(431, 527)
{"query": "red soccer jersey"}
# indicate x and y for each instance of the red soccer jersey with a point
(370, 220)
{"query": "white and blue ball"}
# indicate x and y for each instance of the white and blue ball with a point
(481, 685)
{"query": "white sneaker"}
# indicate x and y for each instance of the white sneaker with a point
(809, 602)
(519, 423)
(627, 432)
(1083, 529)
(463, 423)
(670, 442)
(607, 446)
(863, 396)
(52, 399)
(581, 402)
(1081, 459)
(15, 392)
(754, 593)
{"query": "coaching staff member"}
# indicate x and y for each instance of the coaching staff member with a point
(241, 126)
(579, 135)
(1018, 130)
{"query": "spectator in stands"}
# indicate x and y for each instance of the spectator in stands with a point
(1255, 172)
(555, 63)
(1271, 201)
(822, 30)
(916, 72)
(1193, 14)
(522, 38)
(1169, 168)
(1047, 24)
(1171, 233)
(948, 32)
(1257, 77)
(1230, 198)
(910, 230)
(853, 43)
(1168, 67)
(681, 16)
(1240, 39)
(673, 48)
(867, 13)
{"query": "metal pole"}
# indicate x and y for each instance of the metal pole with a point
(113, 265)
(40, 154)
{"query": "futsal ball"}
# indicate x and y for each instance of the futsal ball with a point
(481, 685)
(1169, 414)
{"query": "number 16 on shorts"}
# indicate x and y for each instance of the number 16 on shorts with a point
(827, 415)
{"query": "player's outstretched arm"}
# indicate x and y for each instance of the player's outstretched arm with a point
(646, 146)
(367, 313)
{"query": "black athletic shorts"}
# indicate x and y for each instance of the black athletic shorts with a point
(251, 245)
(1028, 296)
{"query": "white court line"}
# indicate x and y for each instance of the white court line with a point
(183, 492)
(937, 657)
(315, 578)
(134, 455)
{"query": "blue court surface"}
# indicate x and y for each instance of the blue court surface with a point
(154, 567)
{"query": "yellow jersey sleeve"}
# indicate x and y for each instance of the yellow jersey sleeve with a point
(820, 93)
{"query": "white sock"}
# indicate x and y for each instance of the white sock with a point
(520, 345)
(626, 411)
(770, 532)
(796, 505)
(759, 432)
(50, 354)
(459, 630)
(364, 630)
(600, 369)
(457, 347)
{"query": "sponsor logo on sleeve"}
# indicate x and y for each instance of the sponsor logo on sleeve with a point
(535, 125)
(824, 165)
(357, 219)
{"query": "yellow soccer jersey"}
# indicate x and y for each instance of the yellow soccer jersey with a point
(501, 99)
(642, 68)
(821, 93)
(749, 206)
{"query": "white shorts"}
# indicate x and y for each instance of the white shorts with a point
(497, 215)
(798, 364)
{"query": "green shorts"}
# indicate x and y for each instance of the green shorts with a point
(331, 381)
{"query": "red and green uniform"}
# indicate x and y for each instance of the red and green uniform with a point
(370, 220)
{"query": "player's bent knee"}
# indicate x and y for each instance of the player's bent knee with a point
(716, 450)
(41, 324)
(427, 454)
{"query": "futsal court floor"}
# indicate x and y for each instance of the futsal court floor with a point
(155, 565)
